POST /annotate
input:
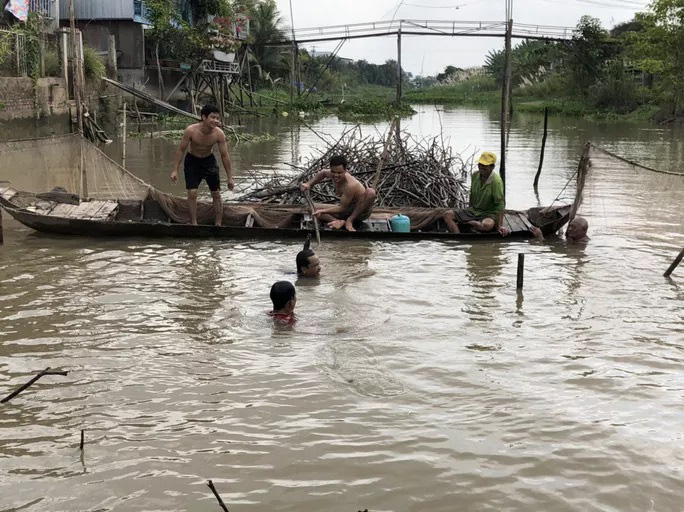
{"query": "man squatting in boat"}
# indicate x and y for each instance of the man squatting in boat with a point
(486, 205)
(200, 162)
(356, 201)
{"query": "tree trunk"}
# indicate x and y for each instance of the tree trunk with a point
(159, 73)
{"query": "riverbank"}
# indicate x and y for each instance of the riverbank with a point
(483, 91)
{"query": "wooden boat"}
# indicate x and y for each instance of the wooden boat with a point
(157, 216)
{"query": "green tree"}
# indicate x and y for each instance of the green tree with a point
(659, 49)
(586, 56)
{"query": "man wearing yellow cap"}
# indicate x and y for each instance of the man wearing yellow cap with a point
(486, 206)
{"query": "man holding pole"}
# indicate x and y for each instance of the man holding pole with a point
(356, 201)
(200, 162)
(486, 206)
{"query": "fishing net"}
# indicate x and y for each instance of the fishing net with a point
(70, 162)
(627, 199)
(83, 171)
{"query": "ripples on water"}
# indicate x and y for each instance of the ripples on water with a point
(416, 379)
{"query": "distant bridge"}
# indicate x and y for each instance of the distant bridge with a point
(426, 28)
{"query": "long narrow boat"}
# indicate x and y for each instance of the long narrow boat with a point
(157, 216)
(104, 199)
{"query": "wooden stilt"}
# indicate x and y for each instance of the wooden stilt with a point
(543, 146)
(521, 271)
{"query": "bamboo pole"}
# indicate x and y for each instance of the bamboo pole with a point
(312, 209)
(543, 147)
(2, 236)
(75, 73)
(505, 99)
(123, 141)
(675, 263)
(399, 90)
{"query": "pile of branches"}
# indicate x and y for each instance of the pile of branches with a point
(423, 173)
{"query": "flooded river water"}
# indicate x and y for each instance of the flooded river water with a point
(415, 379)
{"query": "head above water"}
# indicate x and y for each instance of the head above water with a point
(577, 229)
(283, 296)
(338, 167)
(210, 116)
(308, 264)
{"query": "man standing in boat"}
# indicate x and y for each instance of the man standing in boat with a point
(200, 162)
(356, 201)
(486, 206)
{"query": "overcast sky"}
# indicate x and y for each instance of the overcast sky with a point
(431, 54)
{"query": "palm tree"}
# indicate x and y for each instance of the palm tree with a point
(265, 26)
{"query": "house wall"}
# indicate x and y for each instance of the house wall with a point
(21, 98)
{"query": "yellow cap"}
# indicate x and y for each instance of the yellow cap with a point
(487, 158)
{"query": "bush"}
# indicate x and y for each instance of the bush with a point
(52, 65)
(93, 65)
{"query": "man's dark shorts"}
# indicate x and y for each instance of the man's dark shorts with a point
(198, 169)
(466, 215)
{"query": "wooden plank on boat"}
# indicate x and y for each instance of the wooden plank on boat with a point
(7, 193)
(86, 210)
(515, 224)
(507, 221)
(523, 218)
(107, 209)
(62, 210)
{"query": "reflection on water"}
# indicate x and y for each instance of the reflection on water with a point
(415, 378)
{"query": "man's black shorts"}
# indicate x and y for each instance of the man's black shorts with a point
(198, 169)
(466, 215)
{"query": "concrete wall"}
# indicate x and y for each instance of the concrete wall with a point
(21, 98)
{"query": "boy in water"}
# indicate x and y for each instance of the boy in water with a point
(284, 300)
(200, 162)
(308, 264)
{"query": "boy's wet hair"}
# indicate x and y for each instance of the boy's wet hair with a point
(304, 255)
(282, 292)
(338, 160)
(207, 110)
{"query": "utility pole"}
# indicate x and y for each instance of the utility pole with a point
(399, 92)
(506, 91)
(75, 64)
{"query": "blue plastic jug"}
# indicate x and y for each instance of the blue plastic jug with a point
(400, 224)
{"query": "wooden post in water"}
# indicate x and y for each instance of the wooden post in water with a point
(123, 139)
(543, 146)
(399, 91)
(521, 271)
(2, 236)
(669, 271)
(82, 439)
(505, 101)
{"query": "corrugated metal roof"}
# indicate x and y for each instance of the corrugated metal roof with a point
(98, 9)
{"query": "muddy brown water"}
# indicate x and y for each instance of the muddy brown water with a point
(415, 379)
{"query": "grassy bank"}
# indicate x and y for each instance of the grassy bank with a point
(483, 90)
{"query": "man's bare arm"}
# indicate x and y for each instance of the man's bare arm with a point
(225, 158)
(318, 177)
(179, 153)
